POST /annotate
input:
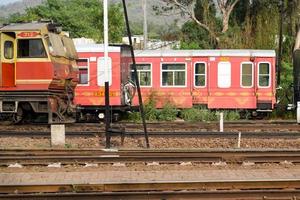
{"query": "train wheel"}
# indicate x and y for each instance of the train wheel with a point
(18, 117)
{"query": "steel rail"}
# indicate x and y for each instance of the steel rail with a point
(83, 156)
(200, 195)
(290, 186)
(204, 134)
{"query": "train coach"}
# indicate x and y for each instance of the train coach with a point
(89, 93)
(217, 79)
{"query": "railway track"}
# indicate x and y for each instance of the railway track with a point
(83, 156)
(163, 127)
(229, 189)
(204, 134)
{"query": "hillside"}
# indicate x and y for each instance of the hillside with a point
(134, 11)
(17, 7)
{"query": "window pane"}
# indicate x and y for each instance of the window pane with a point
(173, 66)
(264, 68)
(179, 78)
(142, 67)
(264, 80)
(8, 49)
(247, 80)
(133, 76)
(144, 74)
(200, 80)
(247, 68)
(200, 68)
(145, 78)
(83, 76)
(247, 75)
(32, 48)
(167, 78)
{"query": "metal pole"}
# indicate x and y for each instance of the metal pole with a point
(135, 74)
(145, 24)
(280, 43)
(107, 116)
(107, 113)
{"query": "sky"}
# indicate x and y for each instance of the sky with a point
(4, 2)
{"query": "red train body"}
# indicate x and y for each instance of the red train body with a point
(38, 72)
(218, 79)
(89, 93)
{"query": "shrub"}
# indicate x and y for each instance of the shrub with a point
(230, 115)
(198, 114)
(167, 113)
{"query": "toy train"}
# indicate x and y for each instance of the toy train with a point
(217, 79)
(39, 76)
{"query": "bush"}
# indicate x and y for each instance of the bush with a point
(230, 115)
(198, 114)
(151, 112)
(134, 116)
(167, 113)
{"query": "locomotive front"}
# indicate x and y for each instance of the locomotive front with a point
(38, 72)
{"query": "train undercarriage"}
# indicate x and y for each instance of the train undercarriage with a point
(55, 107)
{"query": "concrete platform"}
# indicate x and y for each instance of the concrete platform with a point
(98, 177)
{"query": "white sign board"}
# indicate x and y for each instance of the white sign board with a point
(101, 71)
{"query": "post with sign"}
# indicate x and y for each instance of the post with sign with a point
(107, 113)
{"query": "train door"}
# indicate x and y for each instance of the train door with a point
(8, 55)
(247, 93)
(200, 81)
(264, 85)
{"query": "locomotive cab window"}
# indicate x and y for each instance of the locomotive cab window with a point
(200, 75)
(264, 70)
(83, 68)
(31, 48)
(224, 75)
(144, 74)
(247, 75)
(173, 74)
(8, 49)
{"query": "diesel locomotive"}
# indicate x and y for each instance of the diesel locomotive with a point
(38, 72)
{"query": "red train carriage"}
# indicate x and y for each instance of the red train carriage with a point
(38, 72)
(218, 79)
(89, 93)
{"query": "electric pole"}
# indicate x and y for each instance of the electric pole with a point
(145, 24)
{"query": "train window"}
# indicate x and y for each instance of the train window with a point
(247, 75)
(83, 66)
(224, 74)
(31, 48)
(56, 46)
(264, 74)
(200, 75)
(144, 74)
(173, 74)
(8, 49)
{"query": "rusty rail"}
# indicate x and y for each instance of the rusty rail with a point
(82, 156)
(231, 189)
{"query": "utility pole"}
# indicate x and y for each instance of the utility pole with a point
(106, 72)
(145, 24)
(281, 8)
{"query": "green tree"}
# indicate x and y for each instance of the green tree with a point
(82, 18)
